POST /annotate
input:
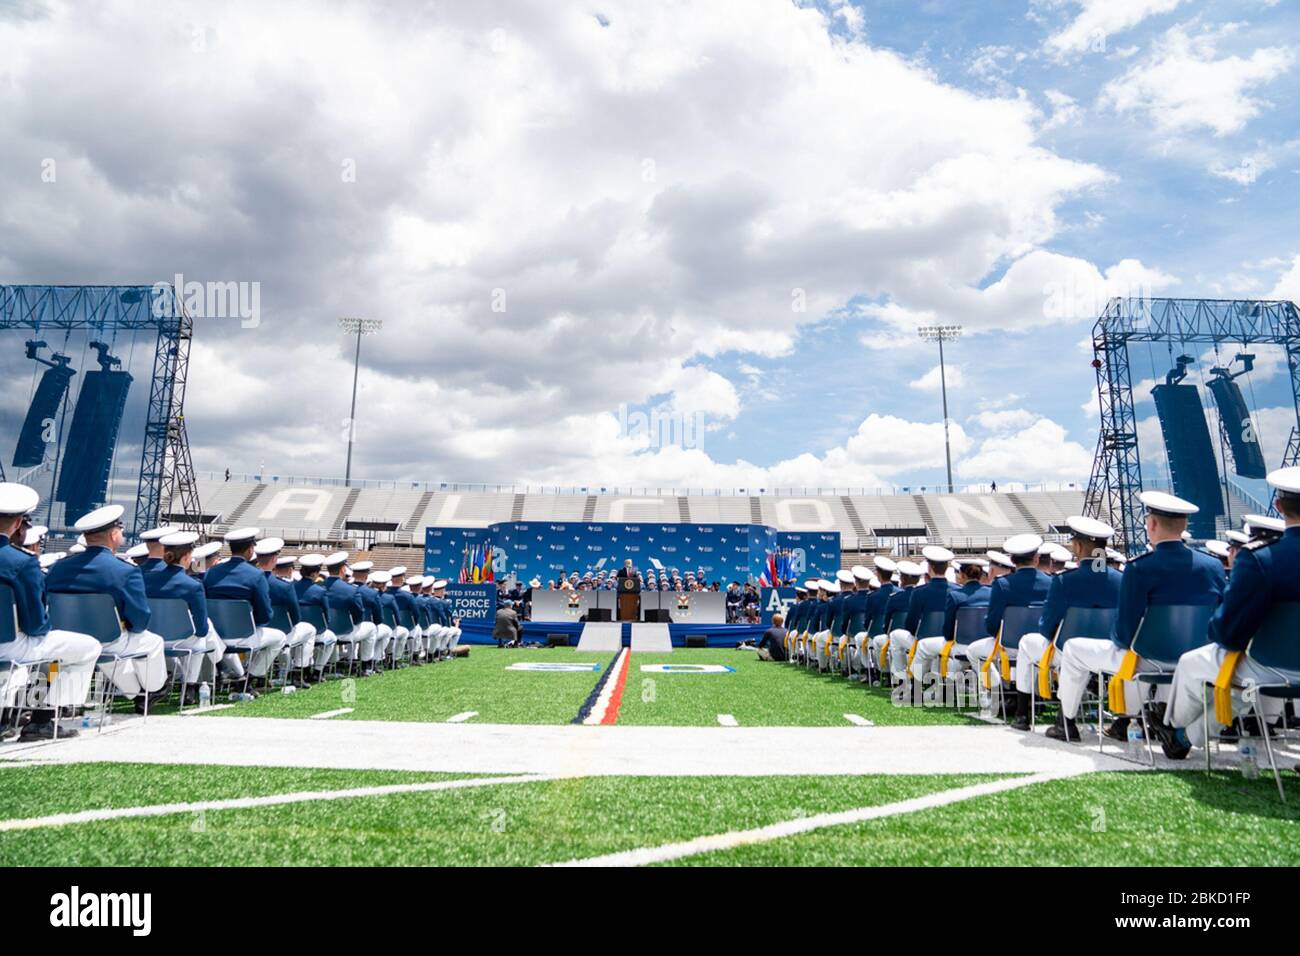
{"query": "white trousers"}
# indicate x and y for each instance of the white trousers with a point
(75, 653)
(820, 650)
(401, 637)
(383, 638)
(1031, 651)
(926, 658)
(1189, 694)
(189, 668)
(299, 645)
(323, 650)
(1081, 658)
(359, 642)
(262, 649)
(132, 677)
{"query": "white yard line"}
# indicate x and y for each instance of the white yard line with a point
(326, 715)
(194, 711)
(271, 800)
(777, 831)
(462, 717)
(857, 720)
(728, 720)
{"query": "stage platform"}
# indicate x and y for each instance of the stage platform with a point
(715, 635)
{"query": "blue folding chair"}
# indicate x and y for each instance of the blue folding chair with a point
(233, 621)
(1078, 622)
(1016, 623)
(9, 635)
(340, 622)
(1167, 632)
(95, 615)
(171, 620)
(1275, 646)
(283, 622)
(315, 616)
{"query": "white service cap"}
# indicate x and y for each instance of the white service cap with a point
(16, 499)
(268, 546)
(1090, 527)
(99, 519)
(1019, 545)
(932, 552)
(1163, 503)
(239, 535)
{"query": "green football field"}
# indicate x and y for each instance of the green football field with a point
(116, 810)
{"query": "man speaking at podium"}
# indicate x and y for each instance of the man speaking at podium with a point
(629, 593)
(628, 582)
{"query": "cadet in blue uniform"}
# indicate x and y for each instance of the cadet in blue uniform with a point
(98, 570)
(311, 594)
(238, 579)
(928, 598)
(374, 610)
(410, 638)
(381, 581)
(1262, 576)
(300, 642)
(357, 644)
(816, 619)
(1170, 573)
(1093, 584)
(75, 654)
(205, 557)
(855, 618)
(443, 614)
(152, 541)
(876, 602)
(167, 578)
(843, 585)
(967, 591)
(799, 640)
(794, 615)
(900, 598)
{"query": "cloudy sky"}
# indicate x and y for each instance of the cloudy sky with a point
(729, 214)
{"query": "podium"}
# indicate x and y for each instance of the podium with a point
(629, 599)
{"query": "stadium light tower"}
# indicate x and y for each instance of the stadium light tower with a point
(357, 327)
(941, 334)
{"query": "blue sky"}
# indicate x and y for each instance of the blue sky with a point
(734, 212)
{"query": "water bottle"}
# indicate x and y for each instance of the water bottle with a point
(986, 703)
(1135, 748)
(1248, 758)
(205, 695)
(288, 689)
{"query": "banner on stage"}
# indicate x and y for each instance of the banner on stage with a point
(773, 601)
(473, 602)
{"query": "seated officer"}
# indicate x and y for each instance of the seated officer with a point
(835, 619)
(794, 613)
(238, 579)
(311, 594)
(401, 592)
(900, 599)
(205, 558)
(168, 579)
(152, 541)
(876, 601)
(967, 591)
(854, 617)
(97, 570)
(1026, 586)
(930, 597)
(374, 609)
(381, 581)
(74, 654)
(357, 644)
(1092, 584)
(444, 616)
(300, 643)
(1262, 575)
(1170, 573)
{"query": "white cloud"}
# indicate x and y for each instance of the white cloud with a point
(1098, 20)
(1011, 419)
(1184, 85)
(1288, 284)
(1065, 111)
(1041, 450)
(932, 380)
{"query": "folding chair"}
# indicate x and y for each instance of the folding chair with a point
(171, 620)
(282, 622)
(1016, 623)
(1276, 646)
(95, 615)
(1078, 622)
(340, 622)
(233, 621)
(1167, 632)
(315, 616)
(9, 635)
(967, 629)
(389, 614)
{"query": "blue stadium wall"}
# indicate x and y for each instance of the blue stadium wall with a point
(726, 552)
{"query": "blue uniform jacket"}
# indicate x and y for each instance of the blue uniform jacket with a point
(283, 595)
(1171, 573)
(236, 580)
(1023, 587)
(310, 594)
(98, 571)
(339, 595)
(1082, 587)
(970, 594)
(1261, 577)
(927, 598)
(22, 573)
(855, 612)
(898, 601)
(877, 600)
(170, 581)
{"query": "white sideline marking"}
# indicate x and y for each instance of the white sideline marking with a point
(271, 800)
(205, 710)
(728, 720)
(331, 713)
(776, 831)
(462, 717)
(857, 720)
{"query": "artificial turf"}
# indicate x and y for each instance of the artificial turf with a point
(517, 824)
(1176, 818)
(41, 790)
(757, 694)
(761, 694)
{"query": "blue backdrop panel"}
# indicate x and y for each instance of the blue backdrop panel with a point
(1192, 463)
(772, 600)
(444, 549)
(44, 408)
(1247, 456)
(83, 476)
(814, 554)
(473, 602)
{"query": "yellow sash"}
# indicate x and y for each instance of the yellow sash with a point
(911, 653)
(884, 653)
(1115, 694)
(943, 657)
(1223, 688)
(844, 649)
(1045, 673)
(1004, 664)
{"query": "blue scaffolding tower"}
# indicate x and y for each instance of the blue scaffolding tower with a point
(166, 467)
